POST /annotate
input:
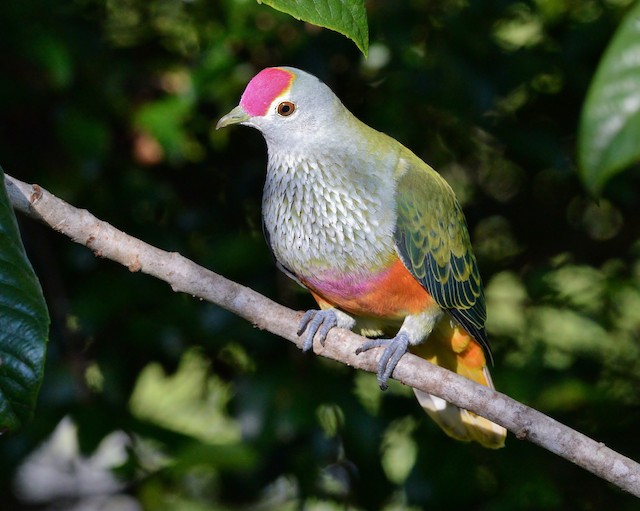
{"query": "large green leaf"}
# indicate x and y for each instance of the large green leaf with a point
(609, 132)
(348, 17)
(24, 324)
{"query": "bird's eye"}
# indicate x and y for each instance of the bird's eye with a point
(286, 108)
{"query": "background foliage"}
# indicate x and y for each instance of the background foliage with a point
(156, 401)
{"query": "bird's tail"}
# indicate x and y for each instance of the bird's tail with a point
(451, 347)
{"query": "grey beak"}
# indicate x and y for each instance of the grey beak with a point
(236, 116)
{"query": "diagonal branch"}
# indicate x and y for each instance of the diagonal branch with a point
(185, 276)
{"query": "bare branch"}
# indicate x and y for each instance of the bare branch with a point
(186, 276)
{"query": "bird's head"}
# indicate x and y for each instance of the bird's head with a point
(285, 104)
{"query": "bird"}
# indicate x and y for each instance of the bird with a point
(374, 233)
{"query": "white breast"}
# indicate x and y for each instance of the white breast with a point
(325, 217)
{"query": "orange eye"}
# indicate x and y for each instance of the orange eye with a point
(286, 108)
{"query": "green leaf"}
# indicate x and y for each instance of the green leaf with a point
(165, 120)
(24, 324)
(190, 401)
(610, 124)
(347, 17)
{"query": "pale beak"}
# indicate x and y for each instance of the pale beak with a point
(236, 116)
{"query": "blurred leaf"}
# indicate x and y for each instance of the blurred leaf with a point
(84, 134)
(566, 334)
(53, 55)
(399, 450)
(165, 120)
(24, 324)
(189, 402)
(610, 124)
(581, 287)
(367, 390)
(62, 449)
(567, 395)
(348, 17)
(331, 418)
(506, 298)
(522, 29)
(234, 457)
(325, 505)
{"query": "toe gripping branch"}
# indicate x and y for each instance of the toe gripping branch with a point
(394, 349)
(321, 321)
(316, 321)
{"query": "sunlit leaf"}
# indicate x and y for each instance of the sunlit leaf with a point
(399, 450)
(348, 17)
(566, 334)
(506, 299)
(189, 402)
(610, 123)
(24, 324)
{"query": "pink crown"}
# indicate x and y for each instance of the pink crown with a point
(263, 88)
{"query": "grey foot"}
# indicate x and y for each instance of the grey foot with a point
(316, 321)
(394, 349)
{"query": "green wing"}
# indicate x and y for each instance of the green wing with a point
(433, 242)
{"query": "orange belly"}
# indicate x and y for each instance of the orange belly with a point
(392, 294)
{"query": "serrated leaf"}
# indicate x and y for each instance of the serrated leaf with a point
(610, 123)
(347, 17)
(24, 324)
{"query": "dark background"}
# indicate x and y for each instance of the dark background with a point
(111, 105)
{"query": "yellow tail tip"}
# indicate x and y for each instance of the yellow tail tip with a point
(462, 424)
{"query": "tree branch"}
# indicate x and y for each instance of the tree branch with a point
(186, 276)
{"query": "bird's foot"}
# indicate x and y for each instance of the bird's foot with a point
(316, 321)
(320, 322)
(393, 350)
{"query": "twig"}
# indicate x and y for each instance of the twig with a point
(186, 276)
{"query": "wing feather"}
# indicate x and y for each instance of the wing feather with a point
(433, 242)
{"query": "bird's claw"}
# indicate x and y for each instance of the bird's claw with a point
(316, 321)
(394, 349)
